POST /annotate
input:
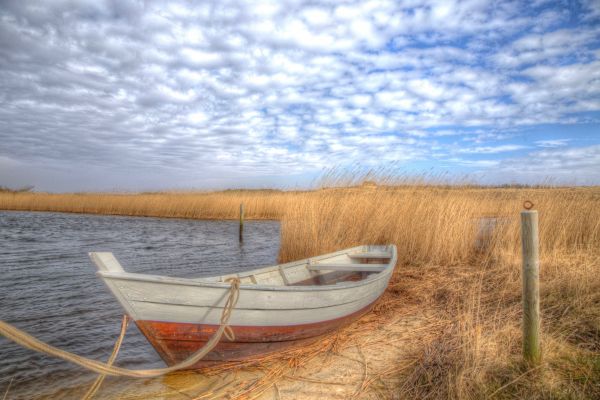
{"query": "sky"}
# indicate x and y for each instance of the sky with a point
(131, 95)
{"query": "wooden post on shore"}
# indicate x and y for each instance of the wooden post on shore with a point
(531, 285)
(241, 222)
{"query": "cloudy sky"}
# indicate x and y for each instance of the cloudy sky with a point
(147, 95)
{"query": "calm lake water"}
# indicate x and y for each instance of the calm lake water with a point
(48, 285)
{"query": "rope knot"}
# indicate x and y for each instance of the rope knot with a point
(234, 295)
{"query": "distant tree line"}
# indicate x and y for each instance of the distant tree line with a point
(24, 189)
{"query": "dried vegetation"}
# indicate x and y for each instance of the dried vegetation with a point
(448, 325)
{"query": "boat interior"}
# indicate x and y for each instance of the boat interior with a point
(349, 265)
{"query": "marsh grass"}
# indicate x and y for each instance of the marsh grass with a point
(471, 347)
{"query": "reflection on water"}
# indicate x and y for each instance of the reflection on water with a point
(48, 286)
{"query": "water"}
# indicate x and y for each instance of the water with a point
(48, 285)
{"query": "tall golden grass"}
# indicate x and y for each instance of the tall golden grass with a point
(477, 288)
(469, 278)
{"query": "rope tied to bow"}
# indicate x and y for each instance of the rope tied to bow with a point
(26, 340)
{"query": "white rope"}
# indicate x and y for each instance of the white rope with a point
(98, 382)
(30, 342)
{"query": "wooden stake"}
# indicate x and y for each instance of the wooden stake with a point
(241, 222)
(531, 286)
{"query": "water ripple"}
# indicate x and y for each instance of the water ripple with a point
(49, 287)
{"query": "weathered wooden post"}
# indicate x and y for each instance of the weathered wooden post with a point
(531, 284)
(241, 222)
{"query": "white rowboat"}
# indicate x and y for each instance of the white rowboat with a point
(278, 305)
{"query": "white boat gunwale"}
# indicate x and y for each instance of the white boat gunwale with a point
(218, 306)
(205, 282)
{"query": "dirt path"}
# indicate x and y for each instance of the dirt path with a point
(366, 368)
(363, 360)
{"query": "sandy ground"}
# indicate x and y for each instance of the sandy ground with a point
(364, 361)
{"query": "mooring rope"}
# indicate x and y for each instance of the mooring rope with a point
(26, 340)
(113, 356)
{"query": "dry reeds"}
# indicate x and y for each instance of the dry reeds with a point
(221, 205)
(457, 279)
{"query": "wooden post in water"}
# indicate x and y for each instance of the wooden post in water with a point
(241, 222)
(531, 285)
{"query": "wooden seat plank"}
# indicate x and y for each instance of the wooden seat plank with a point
(370, 255)
(348, 267)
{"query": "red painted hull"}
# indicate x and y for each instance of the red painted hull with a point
(175, 342)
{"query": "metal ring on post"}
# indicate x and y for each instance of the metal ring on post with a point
(528, 205)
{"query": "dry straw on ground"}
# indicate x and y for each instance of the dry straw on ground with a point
(449, 323)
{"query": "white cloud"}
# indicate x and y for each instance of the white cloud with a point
(473, 163)
(198, 117)
(546, 47)
(492, 149)
(574, 166)
(552, 143)
(200, 58)
(316, 16)
(279, 87)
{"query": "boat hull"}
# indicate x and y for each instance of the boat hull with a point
(175, 341)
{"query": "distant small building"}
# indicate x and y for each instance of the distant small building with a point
(369, 184)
